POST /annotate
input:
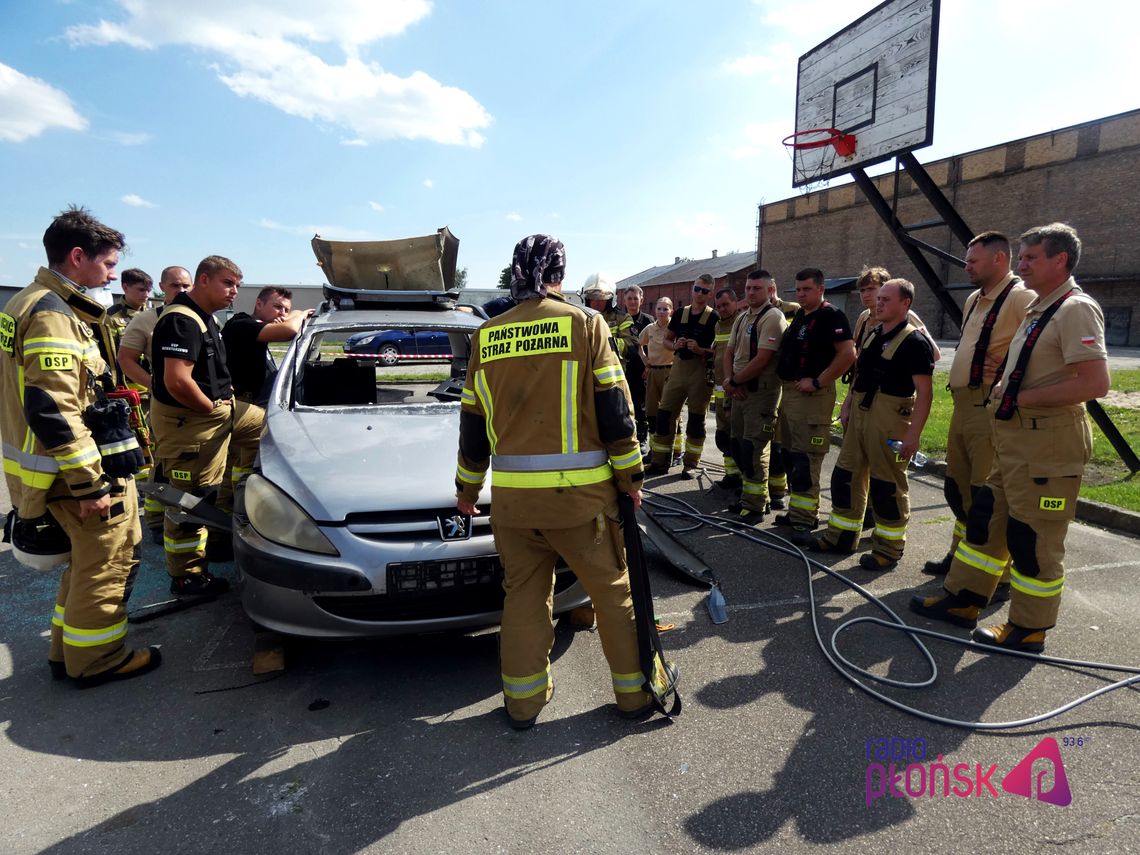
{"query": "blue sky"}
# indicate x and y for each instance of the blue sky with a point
(634, 131)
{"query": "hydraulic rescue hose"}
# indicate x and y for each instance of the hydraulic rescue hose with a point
(673, 506)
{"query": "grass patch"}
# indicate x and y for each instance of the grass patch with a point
(1106, 477)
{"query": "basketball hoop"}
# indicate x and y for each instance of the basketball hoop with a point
(813, 154)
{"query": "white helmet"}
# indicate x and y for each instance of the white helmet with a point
(41, 544)
(598, 286)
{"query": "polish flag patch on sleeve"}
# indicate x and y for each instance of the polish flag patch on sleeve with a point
(1088, 340)
(839, 331)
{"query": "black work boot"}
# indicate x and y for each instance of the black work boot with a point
(730, 482)
(204, 584)
(947, 607)
(1011, 637)
(940, 567)
(138, 663)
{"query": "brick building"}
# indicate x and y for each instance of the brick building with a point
(675, 281)
(1087, 175)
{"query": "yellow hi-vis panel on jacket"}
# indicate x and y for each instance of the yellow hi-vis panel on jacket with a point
(528, 338)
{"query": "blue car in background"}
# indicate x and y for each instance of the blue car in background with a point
(390, 346)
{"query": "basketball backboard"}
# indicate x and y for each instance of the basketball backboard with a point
(874, 79)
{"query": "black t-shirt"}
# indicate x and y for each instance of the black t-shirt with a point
(809, 343)
(640, 322)
(893, 376)
(177, 336)
(247, 358)
(703, 334)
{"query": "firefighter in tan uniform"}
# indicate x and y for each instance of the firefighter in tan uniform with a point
(54, 371)
(991, 315)
(777, 472)
(815, 352)
(892, 392)
(727, 309)
(195, 415)
(545, 405)
(658, 358)
(135, 362)
(752, 384)
(1056, 361)
(598, 293)
(690, 337)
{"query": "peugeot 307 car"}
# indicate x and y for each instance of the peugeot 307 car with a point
(348, 525)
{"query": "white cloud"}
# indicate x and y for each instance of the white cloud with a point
(514, 218)
(358, 141)
(330, 232)
(29, 106)
(778, 64)
(266, 51)
(136, 201)
(376, 206)
(760, 139)
(128, 138)
(428, 183)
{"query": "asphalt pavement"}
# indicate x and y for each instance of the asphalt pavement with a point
(401, 745)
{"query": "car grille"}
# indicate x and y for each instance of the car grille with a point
(409, 526)
(433, 589)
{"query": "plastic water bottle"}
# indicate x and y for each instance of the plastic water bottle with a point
(896, 445)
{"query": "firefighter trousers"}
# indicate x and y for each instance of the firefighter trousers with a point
(1023, 513)
(722, 407)
(969, 456)
(596, 553)
(654, 387)
(867, 465)
(805, 424)
(688, 382)
(89, 625)
(753, 427)
(192, 457)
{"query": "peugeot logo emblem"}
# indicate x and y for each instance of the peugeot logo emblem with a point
(455, 527)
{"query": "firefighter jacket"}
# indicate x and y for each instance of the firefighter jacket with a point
(546, 406)
(720, 345)
(55, 346)
(621, 328)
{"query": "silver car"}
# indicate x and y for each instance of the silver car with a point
(348, 526)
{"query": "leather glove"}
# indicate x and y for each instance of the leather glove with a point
(110, 424)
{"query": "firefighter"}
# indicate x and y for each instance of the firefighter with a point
(134, 360)
(195, 416)
(598, 292)
(815, 352)
(727, 309)
(658, 359)
(992, 315)
(137, 286)
(870, 280)
(777, 472)
(632, 298)
(690, 336)
(754, 388)
(546, 406)
(892, 391)
(1056, 361)
(55, 366)
(247, 338)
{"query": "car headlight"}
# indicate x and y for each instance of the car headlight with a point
(278, 518)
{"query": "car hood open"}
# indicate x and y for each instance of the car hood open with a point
(424, 263)
(343, 461)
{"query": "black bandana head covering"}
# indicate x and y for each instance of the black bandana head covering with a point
(539, 260)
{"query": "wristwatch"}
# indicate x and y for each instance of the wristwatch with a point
(815, 382)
